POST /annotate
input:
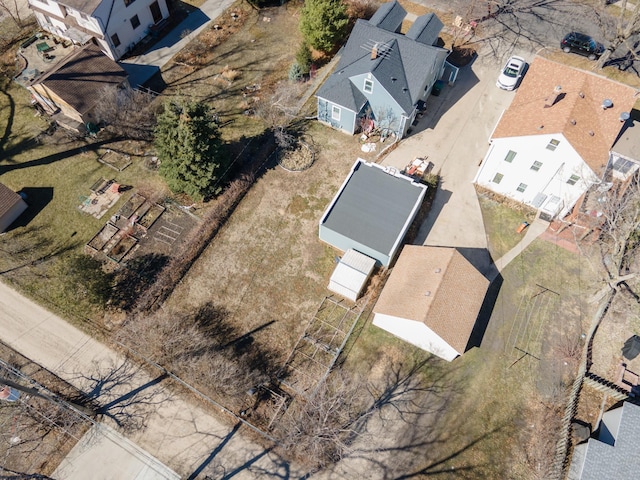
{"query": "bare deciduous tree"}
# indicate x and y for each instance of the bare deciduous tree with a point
(626, 26)
(620, 207)
(12, 10)
(129, 112)
(279, 111)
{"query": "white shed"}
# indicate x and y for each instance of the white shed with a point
(351, 274)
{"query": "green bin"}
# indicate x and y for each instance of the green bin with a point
(437, 88)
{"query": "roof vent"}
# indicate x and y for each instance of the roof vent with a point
(427, 293)
(591, 133)
(624, 116)
(573, 121)
(540, 127)
(581, 94)
(437, 270)
(553, 98)
(607, 103)
(393, 79)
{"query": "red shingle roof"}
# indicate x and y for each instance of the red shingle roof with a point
(577, 113)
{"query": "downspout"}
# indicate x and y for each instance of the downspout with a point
(104, 27)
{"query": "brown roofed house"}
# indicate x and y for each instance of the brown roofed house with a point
(76, 85)
(553, 141)
(11, 207)
(432, 300)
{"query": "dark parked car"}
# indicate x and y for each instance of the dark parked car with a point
(582, 44)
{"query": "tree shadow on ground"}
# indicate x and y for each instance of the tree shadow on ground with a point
(123, 392)
(135, 278)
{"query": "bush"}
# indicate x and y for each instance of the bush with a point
(295, 72)
(303, 58)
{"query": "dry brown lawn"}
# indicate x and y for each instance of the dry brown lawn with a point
(267, 263)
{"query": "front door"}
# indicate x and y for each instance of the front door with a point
(155, 12)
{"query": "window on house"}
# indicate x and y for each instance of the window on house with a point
(522, 187)
(553, 144)
(498, 178)
(128, 2)
(135, 22)
(368, 86)
(335, 112)
(510, 156)
(573, 179)
(536, 166)
(622, 165)
(115, 39)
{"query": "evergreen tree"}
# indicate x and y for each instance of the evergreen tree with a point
(323, 23)
(190, 149)
(303, 58)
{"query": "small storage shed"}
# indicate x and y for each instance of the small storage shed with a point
(372, 211)
(11, 207)
(351, 274)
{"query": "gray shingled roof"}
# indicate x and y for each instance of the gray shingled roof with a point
(84, 6)
(389, 16)
(628, 143)
(621, 460)
(373, 207)
(400, 58)
(81, 77)
(426, 29)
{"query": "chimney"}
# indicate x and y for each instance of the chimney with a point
(553, 98)
(374, 51)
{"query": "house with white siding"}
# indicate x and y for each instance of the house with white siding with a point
(115, 25)
(554, 141)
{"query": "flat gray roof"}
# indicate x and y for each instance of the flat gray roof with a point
(373, 207)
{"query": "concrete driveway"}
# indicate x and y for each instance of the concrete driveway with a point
(454, 135)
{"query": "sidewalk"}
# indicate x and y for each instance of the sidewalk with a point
(143, 67)
(181, 435)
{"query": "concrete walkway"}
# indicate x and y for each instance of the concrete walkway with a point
(143, 67)
(532, 232)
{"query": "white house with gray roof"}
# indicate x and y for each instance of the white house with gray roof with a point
(614, 453)
(116, 25)
(383, 76)
(372, 211)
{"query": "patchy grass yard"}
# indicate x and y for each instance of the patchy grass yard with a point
(501, 222)
(56, 172)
